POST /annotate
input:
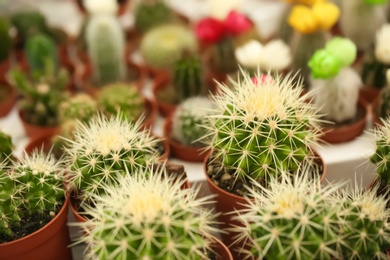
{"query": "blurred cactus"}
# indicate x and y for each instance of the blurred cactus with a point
(5, 148)
(383, 108)
(222, 57)
(80, 107)
(381, 157)
(148, 14)
(6, 41)
(39, 49)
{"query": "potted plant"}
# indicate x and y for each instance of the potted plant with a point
(335, 90)
(261, 126)
(5, 47)
(158, 219)
(186, 126)
(34, 209)
(5, 149)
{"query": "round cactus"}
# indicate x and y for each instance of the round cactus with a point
(148, 218)
(105, 147)
(80, 107)
(262, 125)
(189, 119)
(163, 45)
(33, 185)
(121, 98)
(148, 15)
(5, 148)
(381, 157)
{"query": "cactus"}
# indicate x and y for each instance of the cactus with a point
(42, 93)
(383, 109)
(80, 107)
(123, 99)
(261, 126)
(189, 119)
(188, 78)
(292, 219)
(6, 41)
(5, 148)
(150, 14)
(172, 39)
(106, 48)
(222, 56)
(32, 186)
(105, 147)
(381, 157)
(148, 218)
(39, 48)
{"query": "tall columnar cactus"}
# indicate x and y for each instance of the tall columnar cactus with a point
(188, 78)
(189, 120)
(172, 39)
(148, 218)
(39, 49)
(149, 14)
(32, 186)
(261, 126)
(106, 47)
(5, 148)
(105, 147)
(6, 41)
(381, 157)
(123, 99)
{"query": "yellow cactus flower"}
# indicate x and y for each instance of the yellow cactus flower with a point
(327, 14)
(303, 20)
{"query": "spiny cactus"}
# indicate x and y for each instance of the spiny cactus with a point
(5, 148)
(42, 93)
(261, 126)
(188, 78)
(149, 14)
(105, 147)
(292, 219)
(6, 41)
(222, 56)
(381, 157)
(172, 39)
(148, 218)
(189, 119)
(80, 107)
(33, 185)
(39, 48)
(123, 99)
(106, 47)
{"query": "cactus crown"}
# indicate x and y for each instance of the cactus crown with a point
(104, 147)
(106, 47)
(148, 218)
(121, 98)
(262, 125)
(42, 93)
(39, 48)
(189, 119)
(80, 107)
(5, 148)
(149, 14)
(6, 41)
(381, 156)
(33, 185)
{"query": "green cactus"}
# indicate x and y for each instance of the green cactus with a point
(148, 218)
(188, 78)
(6, 41)
(383, 108)
(381, 157)
(5, 148)
(123, 99)
(189, 119)
(150, 14)
(172, 39)
(106, 48)
(39, 48)
(105, 147)
(42, 93)
(222, 57)
(261, 126)
(32, 186)
(374, 73)
(292, 219)
(80, 107)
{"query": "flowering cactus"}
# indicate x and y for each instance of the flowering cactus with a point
(148, 218)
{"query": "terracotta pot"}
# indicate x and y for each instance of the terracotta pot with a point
(221, 250)
(9, 100)
(49, 242)
(370, 94)
(227, 203)
(181, 151)
(339, 134)
(122, 8)
(151, 114)
(4, 68)
(32, 130)
(162, 80)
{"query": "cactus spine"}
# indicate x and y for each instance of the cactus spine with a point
(105, 43)
(148, 218)
(5, 148)
(6, 41)
(151, 14)
(39, 50)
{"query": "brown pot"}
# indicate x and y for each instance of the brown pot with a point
(151, 114)
(9, 100)
(49, 242)
(221, 250)
(122, 6)
(161, 81)
(32, 130)
(370, 94)
(4, 68)
(181, 151)
(339, 134)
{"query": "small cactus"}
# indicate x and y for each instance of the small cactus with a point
(106, 48)
(123, 99)
(172, 39)
(6, 41)
(105, 147)
(32, 186)
(222, 57)
(148, 218)
(189, 119)
(80, 107)
(148, 14)
(5, 148)
(381, 158)
(39, 49)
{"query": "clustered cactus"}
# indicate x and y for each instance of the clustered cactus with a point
(149, 14)
(261, 126)
(123, 99)
(148, 218)
(105, 147)
(6, 41)
(301, 219)
(5, 148)
(40, 49)
(189, 119)
(33, 185)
